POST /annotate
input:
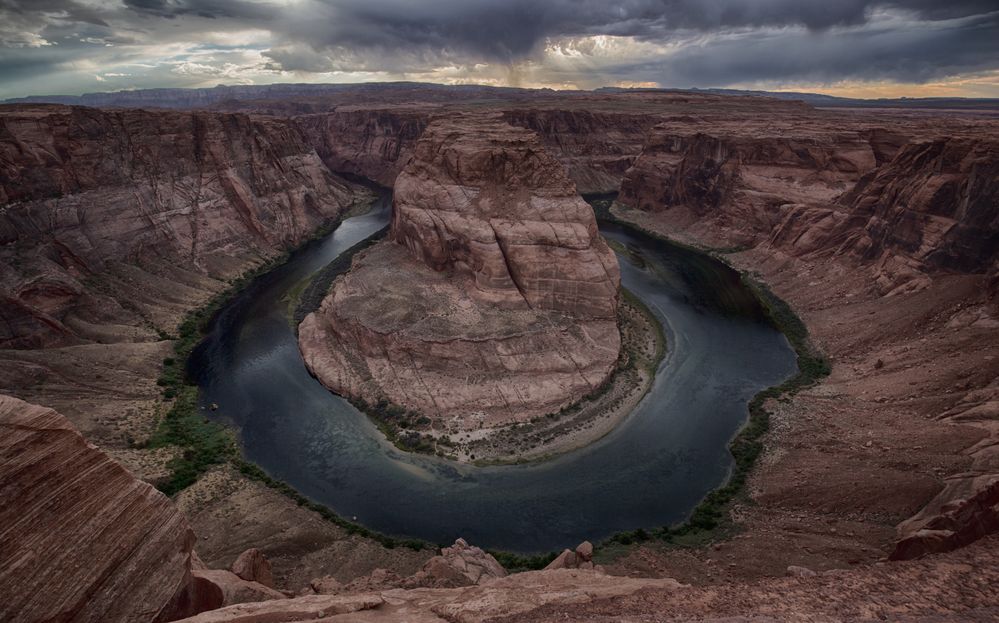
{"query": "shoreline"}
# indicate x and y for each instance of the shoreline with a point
(643, 347)
(510, 560)
(709, 518)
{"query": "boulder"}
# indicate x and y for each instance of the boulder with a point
(799, 572)
(253, 566)
(462, 565)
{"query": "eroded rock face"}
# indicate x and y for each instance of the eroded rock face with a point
(596, 148)
(463, 565)
(253, 566)
(91, 543)
(485, 198)
(739, 177)
(494, 299)
(375, 143)
(109, 217)
(933, 208)
(913, 243)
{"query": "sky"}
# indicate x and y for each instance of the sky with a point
(853, 48)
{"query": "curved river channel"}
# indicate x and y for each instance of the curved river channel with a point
(650, 471)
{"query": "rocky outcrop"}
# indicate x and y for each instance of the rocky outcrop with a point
(934, 207)
(581, 558)
(459, 565)
(81, 539)
(462, 565)
(84, 540)
(496, 296)
(484, 198)
(253, 566)
(513, 595)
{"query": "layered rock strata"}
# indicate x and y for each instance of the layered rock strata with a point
(738, 178)
(77, 531)
(893, 276)
(933, 208)
(132, 194)
(84, 540)
(494, 299)
(113, 224)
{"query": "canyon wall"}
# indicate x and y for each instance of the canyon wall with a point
(115, 223)
(905, 203)
(595, 147)
(933, 208)
(86, 192)
(738, 178)
(494, 299)
(374, 144)
(888, 247)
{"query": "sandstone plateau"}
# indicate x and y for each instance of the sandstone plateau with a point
(876, 490)
(494, 299)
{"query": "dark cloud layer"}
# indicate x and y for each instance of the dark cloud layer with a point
(703, 42)
(509, 30)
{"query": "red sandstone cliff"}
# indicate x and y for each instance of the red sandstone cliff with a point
(739, 177)
(504, 306)
(125, 200)
(596, 147)
(934, 207)
(77, 532)
(371, 143)
(113, 224)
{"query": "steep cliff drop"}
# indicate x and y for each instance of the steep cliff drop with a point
(493, 301)
(84, 540)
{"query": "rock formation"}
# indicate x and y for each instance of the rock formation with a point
(739, 177)
(77, 532)
(904, 256)
(596, 147)
(934, 207)
(879, 229)
(84, 540)
(113, 224)
(124, 197)
(494, 300)
(253, 566)
(375, 143)
(462, 565)
(581, 558)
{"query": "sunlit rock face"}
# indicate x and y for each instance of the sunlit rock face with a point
(494, 299)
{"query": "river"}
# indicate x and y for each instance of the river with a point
(650, 471)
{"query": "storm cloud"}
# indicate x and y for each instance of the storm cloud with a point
(71, 46)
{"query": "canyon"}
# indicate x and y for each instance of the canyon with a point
(880, 229)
